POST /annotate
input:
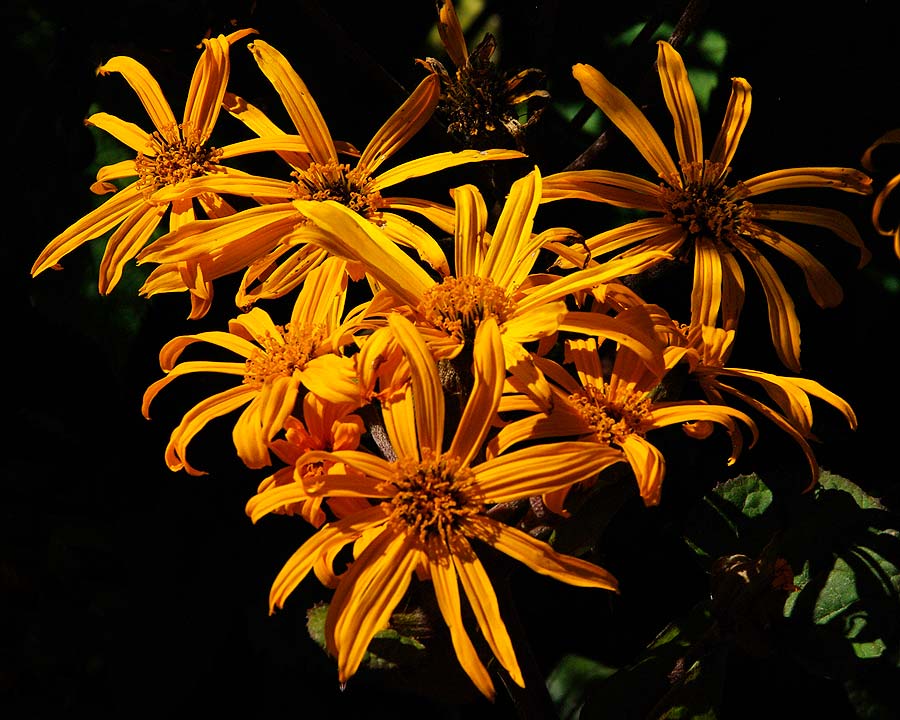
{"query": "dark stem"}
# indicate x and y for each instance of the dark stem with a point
(689, 19)
(533, 702)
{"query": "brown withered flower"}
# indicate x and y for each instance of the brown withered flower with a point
(482, 105)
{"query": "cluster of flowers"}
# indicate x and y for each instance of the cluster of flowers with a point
(399, 423)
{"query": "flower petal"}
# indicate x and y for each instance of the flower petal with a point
(543, 559)
(627, 117)
(481, 407)
(446, 590)
(297, 100)
(400, 127)
(483, 601)
(736, 116)
(148, 91)
(523, 473)
(681, 102)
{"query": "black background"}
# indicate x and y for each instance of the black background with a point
(128, 589)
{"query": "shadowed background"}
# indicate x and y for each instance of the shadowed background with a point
(127, 588)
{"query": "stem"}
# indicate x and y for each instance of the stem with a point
(533, 702)
(689, 19)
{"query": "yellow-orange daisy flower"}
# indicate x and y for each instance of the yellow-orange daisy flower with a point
(325, 426)
(276, 362)
(166, 158)
(892, 137)
(614, 409)
(492, 277)
(427, 514)
(710, 349)
(700, 214)
(272, 241)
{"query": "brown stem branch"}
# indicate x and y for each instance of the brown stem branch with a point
(689, 19)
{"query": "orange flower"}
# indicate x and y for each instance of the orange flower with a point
(700, 215)
(167, 158)
(426, 514)
(614, 411)
(273, 242)
(276, 362)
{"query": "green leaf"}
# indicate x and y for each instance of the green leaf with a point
(736, 517)
(679, 672)
(568, 682)
(388, 649)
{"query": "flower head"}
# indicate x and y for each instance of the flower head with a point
(493, 277)
(788, 399)
(702, 213)
(615, 410)
(479, 101)
(277, 361)
(426, 514)
(273, 243)
(168, 158)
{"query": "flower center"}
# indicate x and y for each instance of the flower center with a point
(280, 355)
(458, 305)
(434, 497)
(612, 419)
(170, 162)
(337, 181)
(703, 205)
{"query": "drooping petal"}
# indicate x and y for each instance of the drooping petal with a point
(427, 393)
(783, 321)
(446, 590)
(523, 473)
(227, 181)
(350, 236)
(489, 372)
(828, 218)
(443, 216)
(125, 243)
(655, 233)
(451, 34)
(543, 559)
(334, 535)
(332, 377)
(483, 601)
(682, 103)
(183, 369)
(591, 277)
(400, 127)
(822, 285)
(116, 171)
(125, 132)
(607, 186)
(297, 99)
(670, 413)
(197, 418)
(846, 179)
(148, 91)
(648, 465)
(627, 117)
(520, 363)
(100, 220)
(706, 293)
(408, 234)
(643, 344)
(366, 596)
(535, 322)
(736, 116)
